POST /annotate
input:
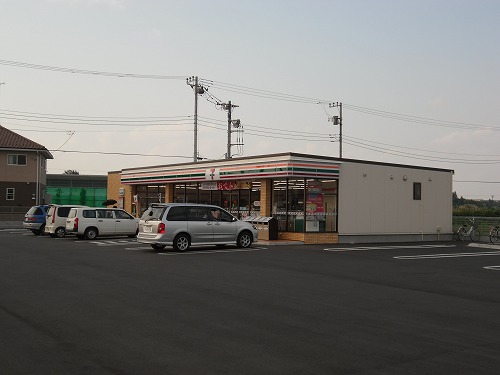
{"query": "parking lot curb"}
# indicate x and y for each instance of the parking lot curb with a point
(485, 245)
(279, 242)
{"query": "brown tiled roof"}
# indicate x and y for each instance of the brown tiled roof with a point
(9, 139)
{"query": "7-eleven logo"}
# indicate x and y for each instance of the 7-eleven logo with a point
(212, 174)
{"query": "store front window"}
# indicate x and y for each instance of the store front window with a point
(295, 205)
(192, 193)
(279, 209)
(149, 194)
(241, 198)
(305, 205)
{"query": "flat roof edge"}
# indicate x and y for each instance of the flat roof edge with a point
(287, 154)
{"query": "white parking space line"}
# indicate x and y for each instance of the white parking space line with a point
(493, 268)
(201, 252)
(451, 255)
(107, 242)
(365, 248)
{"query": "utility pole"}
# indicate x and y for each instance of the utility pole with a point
(228, 107)
(198, 90)
(337, 120)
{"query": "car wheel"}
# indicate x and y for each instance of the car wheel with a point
(36, 232)
(60, 232)
(157, 247)
(42, 230)
(90, 233)
(244, 239)
(134, 235)
(181, 242)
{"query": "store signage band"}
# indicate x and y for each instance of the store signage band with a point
(218, 174)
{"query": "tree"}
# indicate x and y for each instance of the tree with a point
(58, 196)
(71, 171)
(83, 196)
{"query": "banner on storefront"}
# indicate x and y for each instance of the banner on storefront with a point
(225, 185)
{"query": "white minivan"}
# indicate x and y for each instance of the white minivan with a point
(89, 223)
(55, 221)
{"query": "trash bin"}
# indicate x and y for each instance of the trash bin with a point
(267, 227)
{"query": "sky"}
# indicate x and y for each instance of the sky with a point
(102, 83)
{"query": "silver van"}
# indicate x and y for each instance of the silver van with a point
(184, 224)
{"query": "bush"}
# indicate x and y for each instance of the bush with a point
(472, 210)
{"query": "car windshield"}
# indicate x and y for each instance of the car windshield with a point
(153, 213)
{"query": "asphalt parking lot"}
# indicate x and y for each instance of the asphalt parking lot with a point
(113, 306)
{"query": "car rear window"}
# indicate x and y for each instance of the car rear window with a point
(153, 213)
(35, 210)
(63, 211)
(38, 211)
(177, 214)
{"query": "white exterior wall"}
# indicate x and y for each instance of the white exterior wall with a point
(372, 204)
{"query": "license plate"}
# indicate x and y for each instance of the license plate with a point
(147, 229)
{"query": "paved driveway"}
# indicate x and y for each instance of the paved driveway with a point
(115, 307)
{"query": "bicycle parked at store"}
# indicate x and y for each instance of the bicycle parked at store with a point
(472, 232)
(495, 235)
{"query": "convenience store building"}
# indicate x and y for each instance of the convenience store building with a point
(315, 199)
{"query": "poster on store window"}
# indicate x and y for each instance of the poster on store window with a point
(314, 201)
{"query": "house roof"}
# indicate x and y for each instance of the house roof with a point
(10, 140)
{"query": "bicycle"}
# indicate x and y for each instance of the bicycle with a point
(495, 235)
(472, 232)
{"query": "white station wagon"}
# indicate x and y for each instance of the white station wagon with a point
(89, 223)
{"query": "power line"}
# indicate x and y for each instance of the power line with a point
(100, 120)
(101, 131)
(479, 182)
(274, 95)
(418, 156)
(251, 130)
(165, 122)
(260, 93)
(254, 130)
(425, 150)
(418, 119)
(119, 153)
(18, 64)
